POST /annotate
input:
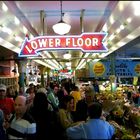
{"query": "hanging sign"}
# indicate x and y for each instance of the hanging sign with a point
(87, 42)
(98, 69)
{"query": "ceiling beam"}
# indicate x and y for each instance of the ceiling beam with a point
(82, 30)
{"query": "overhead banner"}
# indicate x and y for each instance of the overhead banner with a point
(86, 42)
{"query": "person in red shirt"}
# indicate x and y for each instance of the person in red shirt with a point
(6, 104)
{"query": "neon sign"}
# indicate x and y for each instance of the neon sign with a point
(87, 42)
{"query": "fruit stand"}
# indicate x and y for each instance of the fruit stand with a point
(124, 115)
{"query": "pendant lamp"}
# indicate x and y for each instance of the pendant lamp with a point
(61, 27)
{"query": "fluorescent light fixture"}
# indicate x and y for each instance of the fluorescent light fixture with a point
(121, 43)
(118, 30)
(103, 54)
(130, 37)
(82, 61)
(17, 38)
(6, 30)
(86, 55)
(129, 19)
(4, 7)
(68, 64)
(105, 43)
(112, 20)
(17, 22)
(113, 48)
(122, 27)
(48, 55)
(136, 5)
(104, 28)
(25, 30)
(137, 12)
(43, 63)
(9, 46)
(31, 36)
(112, 37)
(51, 63)
(82, 65)
(69, 67)
(67, 56)
(89, 60)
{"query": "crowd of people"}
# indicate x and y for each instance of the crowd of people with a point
(53, 112)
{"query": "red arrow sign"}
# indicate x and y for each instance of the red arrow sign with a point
(87, 42)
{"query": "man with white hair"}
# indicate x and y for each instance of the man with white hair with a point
(21, 125)
(42, 90)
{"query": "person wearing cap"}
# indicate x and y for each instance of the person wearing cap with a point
(6, 104)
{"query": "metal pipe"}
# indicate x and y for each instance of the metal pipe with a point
(81, 20)
(42, 18)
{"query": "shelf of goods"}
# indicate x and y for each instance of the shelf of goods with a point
(9, 81)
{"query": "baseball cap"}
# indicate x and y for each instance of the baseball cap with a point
(2, 87)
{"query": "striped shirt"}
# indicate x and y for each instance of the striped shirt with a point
(24, 127)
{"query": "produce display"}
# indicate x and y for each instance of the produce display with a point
(120, 109)
(124, 115)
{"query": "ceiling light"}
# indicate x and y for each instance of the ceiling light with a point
(61, 27)
(104, 28)
(120, 44)
(130, 37)
(89, 60)
(136, 8)
(122, 27)
(68, 64)
(17, 38)
(17, 22)
(118, 30)
(69, 67)
(6, 29)
(83, 65)
(86, 55)
(45, 64)
(137, 12)
(25, 30)
(112, 20)
(67, 56)
(31, 36)
(4, 7)
(129, 20)
(112, 37)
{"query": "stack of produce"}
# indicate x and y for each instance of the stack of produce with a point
(135, 116)
(121, 132)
